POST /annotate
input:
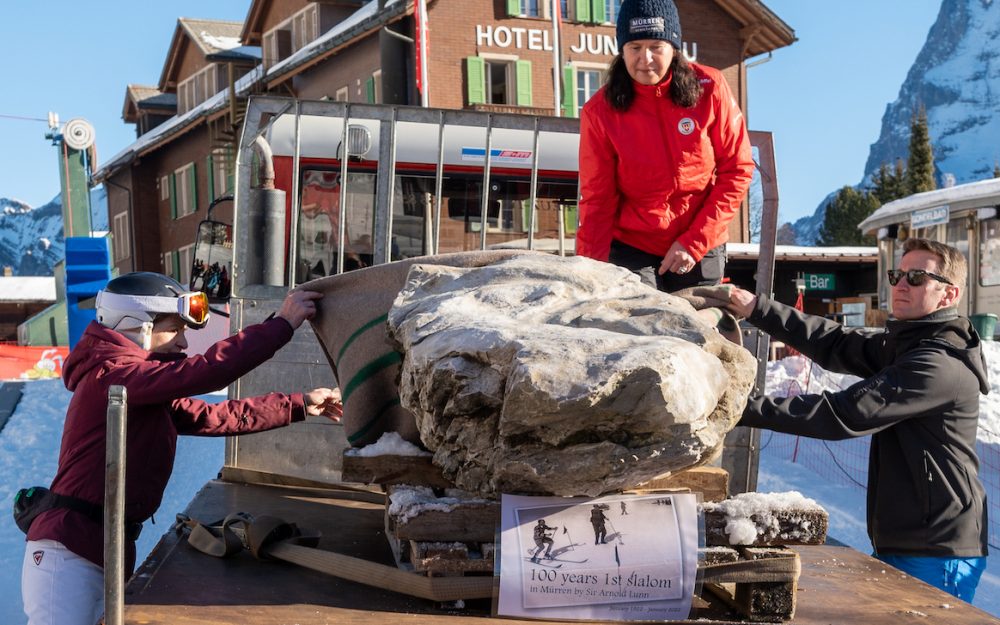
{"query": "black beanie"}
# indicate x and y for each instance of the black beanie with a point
(649, 19)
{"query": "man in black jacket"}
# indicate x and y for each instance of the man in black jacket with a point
(919, 400)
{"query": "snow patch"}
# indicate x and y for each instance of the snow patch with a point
(389, 444)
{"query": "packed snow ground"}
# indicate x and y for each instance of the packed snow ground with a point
(29, 447)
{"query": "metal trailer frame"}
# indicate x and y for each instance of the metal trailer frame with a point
(310, 450)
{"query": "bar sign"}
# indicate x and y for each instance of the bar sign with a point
(820, 282)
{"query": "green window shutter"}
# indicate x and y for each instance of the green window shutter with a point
(175, 260)
(582, 10)
(370, 90)
(230, 170)
(571, 215)
(194, 187)
(513, 7)
(598, 11)
(210, 164)
(569, 91)
(173, 195)
(523, 83)
(476, 87)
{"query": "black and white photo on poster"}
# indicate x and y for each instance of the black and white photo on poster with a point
(621, 557)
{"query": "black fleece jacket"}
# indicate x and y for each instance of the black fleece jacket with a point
(919, 400)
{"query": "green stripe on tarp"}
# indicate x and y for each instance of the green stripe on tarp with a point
(364, 373)
(371, 423)
(368, 326)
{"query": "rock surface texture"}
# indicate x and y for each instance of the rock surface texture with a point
(541, 374)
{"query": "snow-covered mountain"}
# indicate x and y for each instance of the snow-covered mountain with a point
(31, 239)
(956, 78)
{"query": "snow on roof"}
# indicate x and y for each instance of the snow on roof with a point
(213, 36)
(177, 123)
(174, 125)
(331, 38)
(784, 251)
(27, 289)
(894, 212)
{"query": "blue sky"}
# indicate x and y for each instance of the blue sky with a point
(823, 97)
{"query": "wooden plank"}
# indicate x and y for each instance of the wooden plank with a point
(477, 520)
(768, 602)
(712, 482)
(792, 527)
(391, 469)
(418, 514)
(452, 558)
(471, 522)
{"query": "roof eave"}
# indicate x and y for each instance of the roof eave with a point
(771, 32)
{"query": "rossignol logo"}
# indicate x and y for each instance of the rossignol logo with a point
(646, 25)
(37, 557)
(685, 126)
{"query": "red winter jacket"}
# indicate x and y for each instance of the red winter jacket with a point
(159, 409)
(660, 173)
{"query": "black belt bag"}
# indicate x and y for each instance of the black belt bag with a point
(30, 502)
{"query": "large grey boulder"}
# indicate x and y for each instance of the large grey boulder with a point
(542, 374)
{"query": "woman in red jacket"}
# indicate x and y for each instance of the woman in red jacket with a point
(665, 158)
(138, 341)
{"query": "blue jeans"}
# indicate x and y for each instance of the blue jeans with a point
(958, 576)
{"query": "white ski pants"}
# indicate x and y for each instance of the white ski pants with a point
(59, 587)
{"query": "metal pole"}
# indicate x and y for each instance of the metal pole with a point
(484, 207)
(556, 69)
(425, 94)
(438, 183)
(114, 507)
(533, 194)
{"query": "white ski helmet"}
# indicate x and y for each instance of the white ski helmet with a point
(134, 301)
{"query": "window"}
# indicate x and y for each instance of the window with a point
(170, 265)
(611, 8)
(121, 242)
(342, 94)
(588, 81)
(277, 46)
(989, 252)
(499, 81)
(291, 35)
(496, 80)
(184, 199)
(164, 188)
(580, 82)
(220, 178)
(197, 88)
(377, 79)
(595, 11)
(185, 258)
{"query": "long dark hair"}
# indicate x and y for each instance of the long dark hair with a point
(685, 90)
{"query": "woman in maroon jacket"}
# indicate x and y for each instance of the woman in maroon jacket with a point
(138, 342)
(665, 158)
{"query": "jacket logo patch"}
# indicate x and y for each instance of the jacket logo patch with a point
(37, 557)
(685, 126)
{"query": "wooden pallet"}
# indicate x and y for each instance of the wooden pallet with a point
(756, 600)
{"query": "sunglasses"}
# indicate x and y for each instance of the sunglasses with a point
(914, 277)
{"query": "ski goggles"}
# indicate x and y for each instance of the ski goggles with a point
(192, 306)
(914, 277)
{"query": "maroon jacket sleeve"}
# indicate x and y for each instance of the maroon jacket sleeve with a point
(155, 381)
(598, 187)
(733, 172)
(237, 416)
